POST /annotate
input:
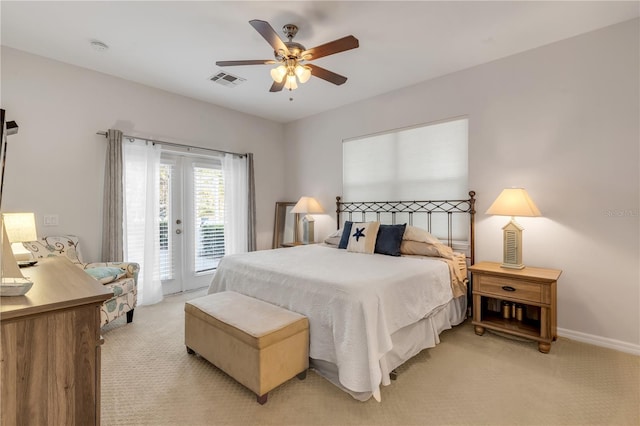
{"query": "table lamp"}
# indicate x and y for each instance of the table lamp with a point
(513, 202)
(307, 206)
(20, 227)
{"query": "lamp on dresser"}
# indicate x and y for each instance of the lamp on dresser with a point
(513, 202)
(307, 206)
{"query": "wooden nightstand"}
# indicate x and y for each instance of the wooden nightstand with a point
(525, 300)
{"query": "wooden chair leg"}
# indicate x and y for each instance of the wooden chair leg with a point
(262, 399)
(129, 316)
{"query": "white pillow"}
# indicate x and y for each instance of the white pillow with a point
(363, 237)
(333, 239)
(413, 233)
(334, 234)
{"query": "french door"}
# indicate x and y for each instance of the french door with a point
(191, 220)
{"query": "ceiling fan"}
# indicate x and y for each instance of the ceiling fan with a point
(293, 57)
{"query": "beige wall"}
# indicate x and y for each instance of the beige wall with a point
(55, 164)
(561, 121)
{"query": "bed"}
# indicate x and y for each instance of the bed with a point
(368, 313)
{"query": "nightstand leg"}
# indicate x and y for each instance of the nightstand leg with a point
(545, 324)
(477, 314)
(477, 307)
(544, 347)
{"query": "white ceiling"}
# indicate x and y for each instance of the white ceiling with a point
(173, 45)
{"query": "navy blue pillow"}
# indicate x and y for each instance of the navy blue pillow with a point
(389, 239)
(346, 230)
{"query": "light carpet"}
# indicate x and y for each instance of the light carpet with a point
(149, 379)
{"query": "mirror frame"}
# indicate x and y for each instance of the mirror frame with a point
(281, 217)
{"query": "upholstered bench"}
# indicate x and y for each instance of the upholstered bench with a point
(259, 344)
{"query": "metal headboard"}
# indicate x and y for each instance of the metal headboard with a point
(448, 207)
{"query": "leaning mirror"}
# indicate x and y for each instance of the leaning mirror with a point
(284, 224)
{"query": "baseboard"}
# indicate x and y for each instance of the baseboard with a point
(600, 341)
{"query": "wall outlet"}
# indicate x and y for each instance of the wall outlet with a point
(50, 220)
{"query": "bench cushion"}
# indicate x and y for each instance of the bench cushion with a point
(255, 322)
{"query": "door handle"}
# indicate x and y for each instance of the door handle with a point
(178, 231)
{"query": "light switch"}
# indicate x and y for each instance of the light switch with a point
(51, 220)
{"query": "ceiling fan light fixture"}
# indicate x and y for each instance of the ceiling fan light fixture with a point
(289, 56)
(291, 83)
(303, 73)
(278, 73)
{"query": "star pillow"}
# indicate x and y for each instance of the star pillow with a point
(362, 238)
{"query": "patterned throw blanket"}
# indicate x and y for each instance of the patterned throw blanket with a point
(458, 272)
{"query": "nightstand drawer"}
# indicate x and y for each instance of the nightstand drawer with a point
(526, 291)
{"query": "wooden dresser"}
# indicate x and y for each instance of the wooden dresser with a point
(50, 348)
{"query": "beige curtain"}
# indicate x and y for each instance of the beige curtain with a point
(113, 199)
(251, 192)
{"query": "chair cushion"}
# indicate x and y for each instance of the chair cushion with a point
(121, 286)
(106, 274)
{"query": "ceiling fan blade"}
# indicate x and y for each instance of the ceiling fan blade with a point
(249, 62)
(270, 35)
(276, 87)
(336, 46)
(327, 75)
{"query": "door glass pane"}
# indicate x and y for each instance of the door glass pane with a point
(166, 238)
(208, 198)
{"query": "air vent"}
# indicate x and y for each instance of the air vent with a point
(226, 79)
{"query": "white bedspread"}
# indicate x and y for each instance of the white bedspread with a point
(354, 301)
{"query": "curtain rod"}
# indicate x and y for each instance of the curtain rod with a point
(174, 144)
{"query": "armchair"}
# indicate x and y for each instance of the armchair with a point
(124, 287)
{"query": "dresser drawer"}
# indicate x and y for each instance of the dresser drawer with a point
(505, 288)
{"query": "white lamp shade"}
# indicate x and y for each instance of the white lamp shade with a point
(513, 202)
(303, 73)
(20, 227)
(291, 83)
(278, 73)
(307, 205)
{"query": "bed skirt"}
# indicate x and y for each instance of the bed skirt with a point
(407, 342)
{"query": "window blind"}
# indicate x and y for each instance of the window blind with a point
(420, 163)
(167, 267)
(208, 197)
